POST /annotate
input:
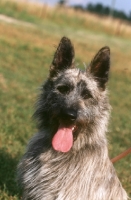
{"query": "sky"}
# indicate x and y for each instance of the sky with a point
(124, 5)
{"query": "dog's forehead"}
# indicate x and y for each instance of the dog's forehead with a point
(77, 76)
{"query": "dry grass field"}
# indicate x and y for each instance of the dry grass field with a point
(26, 50)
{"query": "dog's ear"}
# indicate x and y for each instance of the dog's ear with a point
(63, 57)
(100, 65)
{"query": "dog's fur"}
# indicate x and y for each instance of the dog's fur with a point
(79, 99)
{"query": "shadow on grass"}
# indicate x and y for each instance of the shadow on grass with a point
(8, 167)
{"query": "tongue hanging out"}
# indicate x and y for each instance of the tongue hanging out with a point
(63, 139)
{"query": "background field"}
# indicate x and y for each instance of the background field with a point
(26, 50)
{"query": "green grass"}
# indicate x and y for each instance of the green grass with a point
(25, 57)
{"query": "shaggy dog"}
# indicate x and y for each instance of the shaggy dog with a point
(68, 158)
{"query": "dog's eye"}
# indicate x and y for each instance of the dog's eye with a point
(64, 89)
(86, 94)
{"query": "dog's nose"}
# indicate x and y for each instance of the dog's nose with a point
(71, 115)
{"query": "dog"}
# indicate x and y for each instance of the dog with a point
(68, 158)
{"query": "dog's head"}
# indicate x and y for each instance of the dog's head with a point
(71, 99)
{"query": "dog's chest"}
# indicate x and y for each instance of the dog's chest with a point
(67, 179)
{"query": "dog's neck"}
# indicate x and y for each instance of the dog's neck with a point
(93, 137)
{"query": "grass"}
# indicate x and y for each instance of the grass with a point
(25, 57)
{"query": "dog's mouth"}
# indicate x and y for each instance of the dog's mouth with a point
(63, 138)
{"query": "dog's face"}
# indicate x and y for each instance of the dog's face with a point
(74, 99)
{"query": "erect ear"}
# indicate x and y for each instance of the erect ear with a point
(100, 65)
(63, 57)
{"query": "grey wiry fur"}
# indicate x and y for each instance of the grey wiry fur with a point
(72, 98)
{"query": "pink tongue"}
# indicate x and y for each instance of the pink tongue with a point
(63, 139)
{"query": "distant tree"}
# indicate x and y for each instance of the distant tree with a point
(120, 14)
(62, 2)
(79, 7)
(130, 16)
(103, 10)
(90, 7)
(106, 10)
(99, 8)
